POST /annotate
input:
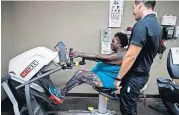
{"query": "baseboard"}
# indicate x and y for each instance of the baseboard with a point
(96, 95)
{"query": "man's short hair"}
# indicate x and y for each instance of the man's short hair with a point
(147, 3)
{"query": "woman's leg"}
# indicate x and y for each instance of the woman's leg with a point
(80, 77)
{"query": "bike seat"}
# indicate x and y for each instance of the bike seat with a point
(163, 80)
(107, 92)
(103, 89)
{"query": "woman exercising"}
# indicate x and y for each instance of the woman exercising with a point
(105, 71)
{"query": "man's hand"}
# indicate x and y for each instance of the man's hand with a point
(117, 84)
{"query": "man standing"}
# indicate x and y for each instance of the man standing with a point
(135, 68)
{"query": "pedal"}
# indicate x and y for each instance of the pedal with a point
(56, 100)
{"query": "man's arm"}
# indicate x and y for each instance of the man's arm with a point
(136, 44)
(129, 59)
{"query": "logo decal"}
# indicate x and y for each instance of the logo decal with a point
(29, 68)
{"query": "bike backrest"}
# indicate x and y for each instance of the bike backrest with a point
(172, 63)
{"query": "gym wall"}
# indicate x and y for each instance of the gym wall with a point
(26, 25)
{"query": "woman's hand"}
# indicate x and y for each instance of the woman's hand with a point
(75, 54)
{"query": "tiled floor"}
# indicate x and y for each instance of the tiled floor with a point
(83, 103)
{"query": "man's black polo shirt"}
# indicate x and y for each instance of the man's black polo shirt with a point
(146, 34)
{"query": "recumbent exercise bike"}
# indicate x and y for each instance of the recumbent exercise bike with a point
(28, 81)
(168, 89)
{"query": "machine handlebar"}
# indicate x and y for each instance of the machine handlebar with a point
(82, 62)
(5, 78)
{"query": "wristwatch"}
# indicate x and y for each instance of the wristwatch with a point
(118, 79)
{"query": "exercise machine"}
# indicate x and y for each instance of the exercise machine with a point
(168, 89)
(27, 82)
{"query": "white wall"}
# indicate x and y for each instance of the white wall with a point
(7, 51)
(30, 24)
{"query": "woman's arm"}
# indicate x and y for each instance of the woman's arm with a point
(106, 58)
(116, 62)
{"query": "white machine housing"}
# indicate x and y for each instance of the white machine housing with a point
(169, 20)
(26, 65)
